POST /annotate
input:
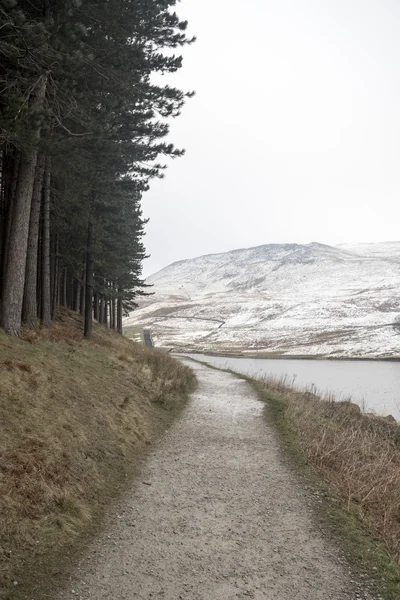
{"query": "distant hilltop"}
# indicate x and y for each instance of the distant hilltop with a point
(280, 299)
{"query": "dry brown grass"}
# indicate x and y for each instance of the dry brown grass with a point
(73, 414)
(358, 454)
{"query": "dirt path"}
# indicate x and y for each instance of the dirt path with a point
(214, 515)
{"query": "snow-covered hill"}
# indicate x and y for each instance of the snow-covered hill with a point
(279, 298)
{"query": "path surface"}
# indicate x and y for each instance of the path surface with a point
(215, 515)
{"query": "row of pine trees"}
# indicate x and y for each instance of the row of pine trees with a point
(83, 121)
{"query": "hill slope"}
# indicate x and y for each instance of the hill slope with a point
(73, 416)
(309, 299)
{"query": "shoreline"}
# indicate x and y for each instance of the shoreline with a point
(260, 356)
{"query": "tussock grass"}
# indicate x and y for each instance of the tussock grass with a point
(357, 454)
(73, 414)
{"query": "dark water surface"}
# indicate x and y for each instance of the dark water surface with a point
(374, 385)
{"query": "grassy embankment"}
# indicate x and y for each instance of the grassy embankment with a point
(358, 457)
(73, 416)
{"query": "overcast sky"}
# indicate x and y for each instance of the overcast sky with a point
(294, 134)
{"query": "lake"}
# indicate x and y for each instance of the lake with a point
(374, 385)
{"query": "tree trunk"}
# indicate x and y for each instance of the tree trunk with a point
(55, 280)
(8, 216)
(14, 280)
(96, 306)
(83, 294)
(112, 315)
(77, 298)
(14, 276)
(68, 291)
(106, 311)
(46, 294)
(59, 285)
(30, 306)
(101, 310)
(89, 283)
(119, 315)
(64, 289)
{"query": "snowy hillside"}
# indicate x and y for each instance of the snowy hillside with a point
(279, 298)
(382, 250)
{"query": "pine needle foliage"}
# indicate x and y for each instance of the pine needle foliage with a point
(83, 128)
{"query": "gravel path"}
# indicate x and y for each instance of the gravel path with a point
(214, 515)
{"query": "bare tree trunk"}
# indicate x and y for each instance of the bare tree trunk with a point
(14, 276)
(119, 315)
(9, 213)
(101, 310)
(106, 311)
(30, 305)
(59, 285)
(112, 315)
(77, 296)
(8, 216)
(14, 280)
(89, 283)
(9, 199)
(64, 289)
(83, 294)
(46, 294)
(69, 291)
(96, 306)
(55, 280)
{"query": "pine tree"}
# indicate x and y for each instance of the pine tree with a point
(78, 88)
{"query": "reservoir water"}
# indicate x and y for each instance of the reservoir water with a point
(374, 385)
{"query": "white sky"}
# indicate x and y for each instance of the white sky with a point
(294, 134)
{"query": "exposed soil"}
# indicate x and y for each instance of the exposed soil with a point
(215, 514)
